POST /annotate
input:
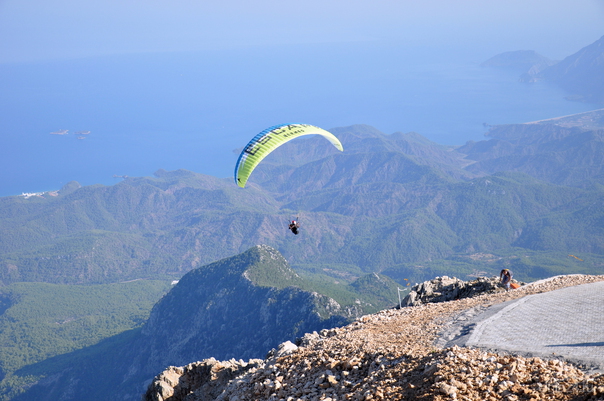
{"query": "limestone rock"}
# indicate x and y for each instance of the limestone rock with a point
(442, 289)
(390, 355)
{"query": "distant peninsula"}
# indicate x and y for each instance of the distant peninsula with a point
(581, 74)
(523, 60)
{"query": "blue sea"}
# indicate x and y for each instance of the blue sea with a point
(191, 110)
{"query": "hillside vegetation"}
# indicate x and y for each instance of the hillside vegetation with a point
(39, 321)
(388, 202)
(238, 307)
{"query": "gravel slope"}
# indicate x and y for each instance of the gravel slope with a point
(391, 355)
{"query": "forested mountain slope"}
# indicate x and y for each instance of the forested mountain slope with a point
(238, 307)
(386, 202)
(561, 151)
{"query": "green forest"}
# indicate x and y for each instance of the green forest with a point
(39, 321)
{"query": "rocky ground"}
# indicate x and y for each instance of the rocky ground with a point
(390, 355)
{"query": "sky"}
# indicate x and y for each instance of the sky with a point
(36, 30)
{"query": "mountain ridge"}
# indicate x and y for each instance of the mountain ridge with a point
(238, 307)
(370, 202)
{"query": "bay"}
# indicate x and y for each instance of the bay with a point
(168, 111)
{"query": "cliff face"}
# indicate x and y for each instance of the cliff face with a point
(230, 309)
(239, 307)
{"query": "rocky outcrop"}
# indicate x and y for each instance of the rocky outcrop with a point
(206, 380)
(442, 289)
(391, 355)
(211, 379)
(203, 380)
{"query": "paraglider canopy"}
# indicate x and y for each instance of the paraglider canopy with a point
(270, 139)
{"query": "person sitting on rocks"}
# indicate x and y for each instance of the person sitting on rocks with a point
(505, 277)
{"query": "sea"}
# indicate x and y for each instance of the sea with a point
(95, 120)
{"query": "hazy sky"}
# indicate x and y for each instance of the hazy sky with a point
(32, 30)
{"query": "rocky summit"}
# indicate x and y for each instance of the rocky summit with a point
(390, 355)
(445, 288)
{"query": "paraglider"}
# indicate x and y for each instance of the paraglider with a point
(293, 226)
(270, 139)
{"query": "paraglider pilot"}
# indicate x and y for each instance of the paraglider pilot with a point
(293, 226)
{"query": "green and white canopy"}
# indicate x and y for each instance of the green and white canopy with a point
(270, 139)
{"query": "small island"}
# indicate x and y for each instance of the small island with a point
(78, 134)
